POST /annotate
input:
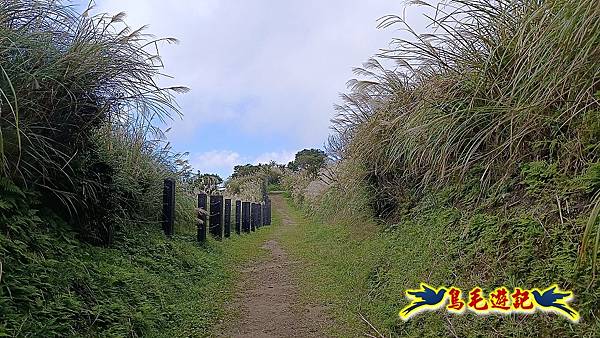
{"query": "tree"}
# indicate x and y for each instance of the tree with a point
(271, 172)
(244, 170)
(208, 183)
(311, 160)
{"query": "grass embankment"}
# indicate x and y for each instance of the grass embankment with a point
(82, 163)
(478, 152)
(144, 285)
(362, 269)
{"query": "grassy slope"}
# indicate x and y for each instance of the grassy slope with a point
(145, 285)
(359, 270)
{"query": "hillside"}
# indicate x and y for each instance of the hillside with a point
(477, 159)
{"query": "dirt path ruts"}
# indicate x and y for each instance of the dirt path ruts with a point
(268, 296)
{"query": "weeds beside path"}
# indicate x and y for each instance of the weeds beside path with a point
(359, 271)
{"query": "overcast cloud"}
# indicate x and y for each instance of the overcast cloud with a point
(264, 74)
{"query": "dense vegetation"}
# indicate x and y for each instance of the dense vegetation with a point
(479, 155)
(79, 104)
(252, 182)
(54, 285)
(82, 165)
(308, 160)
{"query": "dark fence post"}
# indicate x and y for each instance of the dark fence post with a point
(264, 213)
(253, 217)
(202, 217)
(260, 215)
(238, 217)
(168, 219)
(216, 216)
(257, 208)
(227, 218)
(246, 220)
(268, 208)
(256, 216)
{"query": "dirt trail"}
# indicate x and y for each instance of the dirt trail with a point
(267, 297)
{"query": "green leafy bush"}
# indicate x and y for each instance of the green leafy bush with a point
(537, 174)
(53, 285)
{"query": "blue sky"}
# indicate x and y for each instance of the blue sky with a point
(263, 74)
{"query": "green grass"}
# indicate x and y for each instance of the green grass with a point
(80, 106)
(361, 269)
(356, 269)
(492, 85)
(334, 267)
(145, 285)
(275, 187)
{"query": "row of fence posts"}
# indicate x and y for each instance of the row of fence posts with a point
(215, 214)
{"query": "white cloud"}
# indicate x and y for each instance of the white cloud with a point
(281, 157)
(256, 65)
(216, 161)
(223, 161)
(290, 58)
